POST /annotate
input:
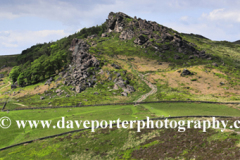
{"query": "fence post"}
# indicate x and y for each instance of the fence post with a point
(4, 106)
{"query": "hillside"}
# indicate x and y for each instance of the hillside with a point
(124, 60)
(106, 62)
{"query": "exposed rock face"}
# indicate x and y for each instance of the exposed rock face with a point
(140, 40)
(126, 35)
(79, 73)
(143, 30)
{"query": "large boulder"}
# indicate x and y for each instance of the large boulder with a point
(124, 94)
(13, 86)
(79, 89)
(58, 90)
(186, 72)
(130, 88)
(140, 40)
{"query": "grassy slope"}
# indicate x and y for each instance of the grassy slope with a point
(13, 135)
(9, 60)
(128, 144)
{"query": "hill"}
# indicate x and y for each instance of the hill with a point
(126, 59)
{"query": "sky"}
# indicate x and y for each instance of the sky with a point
(28, 22)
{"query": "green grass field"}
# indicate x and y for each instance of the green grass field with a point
(14, 135)
(128, 144)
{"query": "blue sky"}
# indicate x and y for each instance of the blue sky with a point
(28, 22)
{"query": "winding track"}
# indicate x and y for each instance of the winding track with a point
(9, 83)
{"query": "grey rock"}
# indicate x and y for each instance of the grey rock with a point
(118, 74)
(124, 94)
(130, 88)
(42, 98)
(215, 64)
(116, 66)
(115, 87)
(141, 40)
(186, 72)
(79, 89)
(58, 90)
(13, 86)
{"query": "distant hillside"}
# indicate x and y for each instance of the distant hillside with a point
(237, 42)
(8, 60)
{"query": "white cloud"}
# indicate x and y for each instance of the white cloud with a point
(25, 39)
(223, 14)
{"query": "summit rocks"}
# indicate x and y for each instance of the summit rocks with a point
(144, 32)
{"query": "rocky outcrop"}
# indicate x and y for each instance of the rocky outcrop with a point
(48, 82)
(143, 31)
(126, 35)
(80, 73)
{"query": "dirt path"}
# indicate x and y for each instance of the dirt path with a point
(9, 83)
(20, 104)
(153, 87)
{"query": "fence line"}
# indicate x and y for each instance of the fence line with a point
(64, 133)
(129, 103)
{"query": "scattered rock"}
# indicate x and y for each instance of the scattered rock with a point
(222, 83)
(96, 93)
(186, 72)
(115, 87)
(13, 86)
(190, 57)
(215, 64)
(58, 90)
(116, 66)
(67, 95)
(104, 35)
(48, 82)
(60, 78)
(177, 57)
(42, 98)
(79, 89)
(124, 94)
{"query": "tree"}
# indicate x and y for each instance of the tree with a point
(14, 73)
(20, 79)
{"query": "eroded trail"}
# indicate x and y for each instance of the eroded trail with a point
(9, 83)
(153, 87)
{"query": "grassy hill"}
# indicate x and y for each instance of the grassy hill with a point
(156, 62)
